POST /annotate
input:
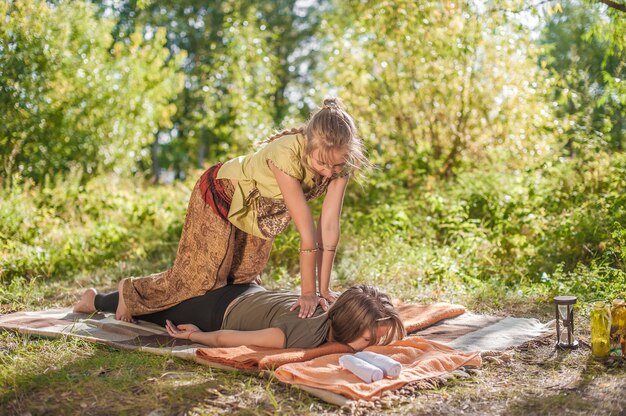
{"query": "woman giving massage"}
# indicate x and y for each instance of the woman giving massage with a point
(247, 314)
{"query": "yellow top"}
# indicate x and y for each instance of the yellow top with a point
(257, 206)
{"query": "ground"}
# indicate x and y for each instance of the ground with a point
(69, 376)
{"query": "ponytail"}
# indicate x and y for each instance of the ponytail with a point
(295, 130)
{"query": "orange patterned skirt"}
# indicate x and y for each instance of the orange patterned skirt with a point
(211, 253)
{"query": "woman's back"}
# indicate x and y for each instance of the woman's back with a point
(268, 309)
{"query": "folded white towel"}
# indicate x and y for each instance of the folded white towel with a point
(391, 368)
(362, 369)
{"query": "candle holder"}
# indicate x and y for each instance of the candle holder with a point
(564, 310)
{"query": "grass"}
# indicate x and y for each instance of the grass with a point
(69, 376)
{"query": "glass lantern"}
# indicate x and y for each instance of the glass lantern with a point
(564, 310)
(600, 330)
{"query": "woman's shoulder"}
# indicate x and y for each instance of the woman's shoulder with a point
(286, 154)
(271, 297)
(294, 142)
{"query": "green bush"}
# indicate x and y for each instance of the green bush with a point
(58, 231)
(524, 229)
(70, 96)
(552, 229)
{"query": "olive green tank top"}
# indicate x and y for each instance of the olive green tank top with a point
(269, 309)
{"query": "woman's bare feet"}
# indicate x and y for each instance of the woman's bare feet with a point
(122, 312)
(86, 303)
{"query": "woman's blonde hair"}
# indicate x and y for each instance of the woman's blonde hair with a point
(330, 129)
(361, 308)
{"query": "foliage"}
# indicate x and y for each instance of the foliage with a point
(242, 59)
(588, 61)
(56, 231)
(559, 227)
(445, 86)
(67, 98)
(492, 175)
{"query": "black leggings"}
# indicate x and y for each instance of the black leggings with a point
(206, 311)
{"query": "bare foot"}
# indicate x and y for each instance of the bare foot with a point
(86, 303)
(122, 313)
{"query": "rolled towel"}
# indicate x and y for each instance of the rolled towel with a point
(391, 368)
(363, 370)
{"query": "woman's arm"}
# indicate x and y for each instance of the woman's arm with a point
(269, 337)
(301, 213)
(328, 230)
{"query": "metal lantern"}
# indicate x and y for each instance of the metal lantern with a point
(564, 309)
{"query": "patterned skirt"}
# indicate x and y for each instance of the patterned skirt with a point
(211, 253)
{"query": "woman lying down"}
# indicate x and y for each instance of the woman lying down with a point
(248, 314)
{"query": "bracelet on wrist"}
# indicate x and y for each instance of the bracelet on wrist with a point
(309, 250)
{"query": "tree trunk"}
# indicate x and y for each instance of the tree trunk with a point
(154, 154)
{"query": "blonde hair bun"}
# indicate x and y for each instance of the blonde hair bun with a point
(332, 103)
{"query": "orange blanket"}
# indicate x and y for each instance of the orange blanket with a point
(421, 359)
(257, 358)
(414, 317)
(417, 316)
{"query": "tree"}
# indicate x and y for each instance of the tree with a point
(67, 98)
(242, 59)
(615, 5)
(586, 55)
(438, 85)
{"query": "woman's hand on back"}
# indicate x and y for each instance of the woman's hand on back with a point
(308, 304)
(331, 296)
